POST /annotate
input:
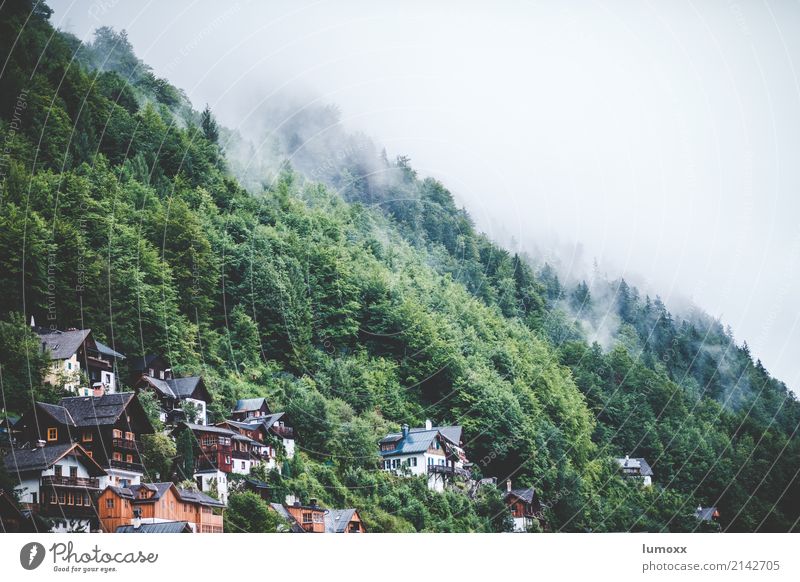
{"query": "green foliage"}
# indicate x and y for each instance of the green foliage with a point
(355, 309)
(158, 456)
(248, 513)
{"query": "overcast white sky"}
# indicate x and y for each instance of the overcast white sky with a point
(661, 138)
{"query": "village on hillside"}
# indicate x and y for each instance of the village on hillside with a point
(79, 465)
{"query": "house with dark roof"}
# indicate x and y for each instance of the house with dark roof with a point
(250, 408)
(312, 518)
(219, 451)
(524, 506)
(59, 482)
(154, 503)
(108, 427)
(636, 468)
(179, 398)
(12, 518)
(159, 528)
(153, 365)
(269, 430)
(433, 451)
(344, 521)
(75, 352)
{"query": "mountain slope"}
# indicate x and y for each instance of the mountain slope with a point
(357, 297)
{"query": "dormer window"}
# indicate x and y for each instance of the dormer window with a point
(52, 434)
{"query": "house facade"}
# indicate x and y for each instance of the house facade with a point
(83, 365)
(524, 506)
(153, 503)
(312, 518)
(432, 451)
(179, 398)
(58, 482)
(108, 427)
(636, 468)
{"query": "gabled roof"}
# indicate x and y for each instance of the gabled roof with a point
(636, 463)
(97, 410)
(209, 428)
(248, 404)
(199, 497)
(42, 458)
(161, 527)
(525, 495)
(123, 492)
(178, 388)
(451, 433)
(158, 490)
(419, 440)
(106, 350)
(62, 344)
(60, 414)
(336, 520)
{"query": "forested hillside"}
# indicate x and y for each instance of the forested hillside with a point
(357, 296)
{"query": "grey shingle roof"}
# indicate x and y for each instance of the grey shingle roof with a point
(41, 458)
(106, 350)
(162, 527)
(199, 497)
(97, 410)
(336, 520)
(249, 404)
(62, 344)
(59, 413)
(158, 489)
(210, 428)
(176, 388)
(420, 439)
(636, 463)
(526, 495)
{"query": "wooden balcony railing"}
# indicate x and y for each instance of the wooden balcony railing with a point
(127, 444)
(66, 481)
(447, 470)
(135, 467)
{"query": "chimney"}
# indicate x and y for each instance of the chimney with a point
(699, 508)
(428, 424)
(40, 444)
(137, 518)
(405, 430)
(508, 485)
(33, 323)
(313, 502)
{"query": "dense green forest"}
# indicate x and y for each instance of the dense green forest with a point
(356, 296)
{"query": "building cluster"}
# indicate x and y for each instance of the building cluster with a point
(79, 464)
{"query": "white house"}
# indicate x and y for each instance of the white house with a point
(636, 468)
(58, 482)
(434, 451)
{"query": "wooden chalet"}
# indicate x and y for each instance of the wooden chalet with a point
(312, 518)
(174, 394)
(59, 482)
(524, 506)
(151, 503)
(108, 427)
(74, 351)
(250, 408)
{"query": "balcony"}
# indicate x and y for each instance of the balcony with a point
(58, 510)
(286, 432)
(127, 444)
(134, 467)
(83, 482)
(448, 471)
(242, 454)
